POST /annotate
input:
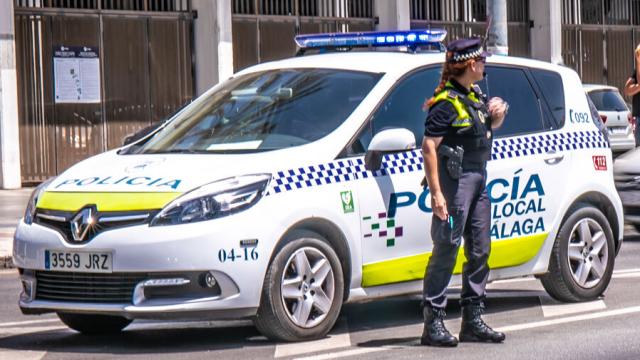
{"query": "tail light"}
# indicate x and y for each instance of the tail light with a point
(631, 122)
(603, 118)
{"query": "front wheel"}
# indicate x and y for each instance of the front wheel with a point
(94, 324)
(303, 290)
(582, 258)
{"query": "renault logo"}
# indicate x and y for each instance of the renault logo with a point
(82, 222)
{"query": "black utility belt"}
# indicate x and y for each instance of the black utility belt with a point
(474, 167)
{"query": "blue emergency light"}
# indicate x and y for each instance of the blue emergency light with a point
(411, 39)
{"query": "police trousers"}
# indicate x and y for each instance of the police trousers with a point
(470, 216)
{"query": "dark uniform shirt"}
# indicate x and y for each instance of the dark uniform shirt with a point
(635, 102)
(442, 114)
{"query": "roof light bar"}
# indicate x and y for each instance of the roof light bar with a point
(412, 38)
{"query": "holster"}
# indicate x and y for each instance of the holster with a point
(452, 159)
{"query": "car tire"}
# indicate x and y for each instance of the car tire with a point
(294, 306)
(584, 245)
(94, 324)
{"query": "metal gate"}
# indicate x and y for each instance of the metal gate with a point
(263, 30)
(145, 72)
(464, 18)
(599, 37)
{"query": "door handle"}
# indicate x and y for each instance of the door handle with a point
(554, 160)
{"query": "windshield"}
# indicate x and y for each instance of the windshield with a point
(607, 100)
(264, 111)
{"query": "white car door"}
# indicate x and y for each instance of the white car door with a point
(395, 209)
(531, 160)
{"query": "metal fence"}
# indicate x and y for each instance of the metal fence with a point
(598, 39)
(468, 18)
(142, 79)
(263, 30)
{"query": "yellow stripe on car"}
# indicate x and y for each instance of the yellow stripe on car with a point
(105, 201)
(504, 253)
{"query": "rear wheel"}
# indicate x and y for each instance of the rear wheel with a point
(583, 257)
(303, 290)
(94, 324)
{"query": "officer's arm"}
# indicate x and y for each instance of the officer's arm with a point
(430, 156)
(429, 153)
(631, 88)
(498, 111)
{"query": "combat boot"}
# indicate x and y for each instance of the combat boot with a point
(435, 334)
(473, 327)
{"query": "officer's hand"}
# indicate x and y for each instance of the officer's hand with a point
(439, 206)
(497, 108)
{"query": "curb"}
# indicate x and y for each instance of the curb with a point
(6, 262)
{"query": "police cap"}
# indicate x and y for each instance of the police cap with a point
(462, 50)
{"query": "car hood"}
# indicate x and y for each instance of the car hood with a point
(169, 173)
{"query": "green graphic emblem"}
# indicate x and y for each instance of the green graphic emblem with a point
(347, 201)
(382, 227)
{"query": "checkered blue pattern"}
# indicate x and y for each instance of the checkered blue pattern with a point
(344, 170)
(543, 143)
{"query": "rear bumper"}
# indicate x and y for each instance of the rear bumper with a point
(622, 144)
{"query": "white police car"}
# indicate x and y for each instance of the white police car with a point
(295, 186)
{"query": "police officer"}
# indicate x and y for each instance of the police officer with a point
(456, 148)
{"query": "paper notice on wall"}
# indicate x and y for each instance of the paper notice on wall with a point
(76, 74)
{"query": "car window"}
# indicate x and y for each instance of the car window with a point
(402, 108)
(597, 120)
(264, 111)
(550, 84)
(513, 86)
(607, 100)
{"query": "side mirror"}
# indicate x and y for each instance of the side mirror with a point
(140, 133)
(387, 141)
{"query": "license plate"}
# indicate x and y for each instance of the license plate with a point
(619, 130)
(78, 261)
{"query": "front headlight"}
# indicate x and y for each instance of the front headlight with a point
(214, 200)
(30, 212)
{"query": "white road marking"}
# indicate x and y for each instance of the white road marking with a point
(551, 307)
(5, 332)
(339, 340)
(624, 271)
(352, 352)
(570, 319)
(21, 355)
(28, 322)
(509, 328)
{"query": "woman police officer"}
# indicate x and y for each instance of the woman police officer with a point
(456, 148)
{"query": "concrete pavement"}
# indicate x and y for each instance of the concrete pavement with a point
(12, 206)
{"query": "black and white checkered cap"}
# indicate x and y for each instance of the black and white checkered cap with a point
(465, 49)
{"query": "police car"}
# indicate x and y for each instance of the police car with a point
(294, 187)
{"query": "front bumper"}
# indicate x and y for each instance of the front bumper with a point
(152, 255)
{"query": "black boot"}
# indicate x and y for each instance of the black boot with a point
(474, 329)
(435, 334)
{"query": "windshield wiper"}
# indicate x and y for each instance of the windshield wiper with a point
(177, 151)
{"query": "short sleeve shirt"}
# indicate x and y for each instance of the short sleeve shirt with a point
(442, 115)
(439, 120)
(635, 102)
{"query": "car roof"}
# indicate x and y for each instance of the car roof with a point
(594, 87)
(383, 61)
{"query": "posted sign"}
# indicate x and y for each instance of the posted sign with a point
(76, 71)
